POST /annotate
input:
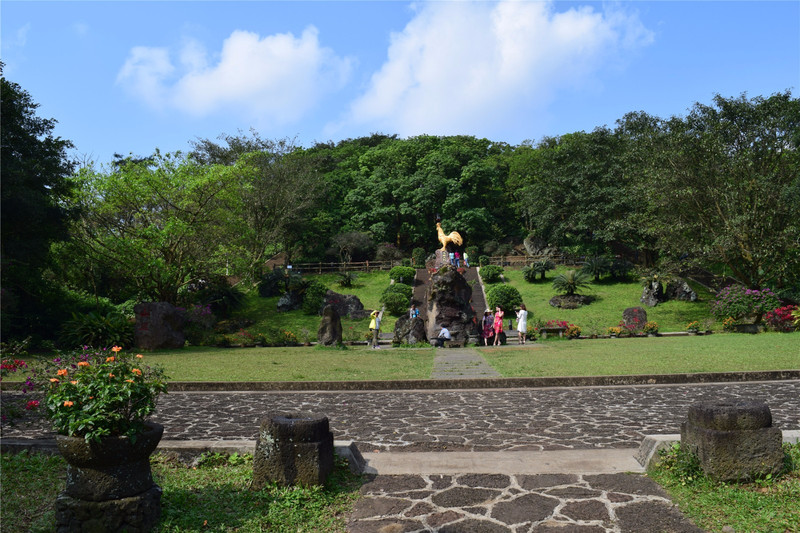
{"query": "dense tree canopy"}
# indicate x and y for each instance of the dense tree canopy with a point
(718, 188)
(35, 167)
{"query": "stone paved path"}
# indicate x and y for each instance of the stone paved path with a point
(459, 363)
(464, 420)
(564, 503)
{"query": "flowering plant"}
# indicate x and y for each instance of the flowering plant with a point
(650, 327)
(98, 394)
(693, 326)
(781, 319)
(728, 323)
(614, 330)
(573, 331)
(738, 302)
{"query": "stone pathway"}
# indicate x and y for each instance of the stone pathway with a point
(489, 503)
(461, 363)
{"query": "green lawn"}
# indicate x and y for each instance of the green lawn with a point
(723, 352)
(611, 299)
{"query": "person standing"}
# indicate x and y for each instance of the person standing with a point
(522, 323)
(452, 259)
(487, 326)
(466, 260)
(498, 324)
(458, 260)
(375, 327)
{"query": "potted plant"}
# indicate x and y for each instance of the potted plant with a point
(98, 403)
(614, 331)
(650, 328)
(693, 327)
(573, 331)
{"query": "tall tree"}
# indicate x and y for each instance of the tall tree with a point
(34, 167)
(724, 187)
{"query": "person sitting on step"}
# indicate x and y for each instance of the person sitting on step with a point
(444, 335)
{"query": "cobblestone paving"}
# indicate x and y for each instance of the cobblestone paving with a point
(566, 503)
(464, 420)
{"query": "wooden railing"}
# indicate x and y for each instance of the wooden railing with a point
(357, 266)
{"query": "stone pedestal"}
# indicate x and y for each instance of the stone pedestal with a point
(735, 441)
(110, 486)
(293, 449)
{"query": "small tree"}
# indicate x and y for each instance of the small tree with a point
(504, 296)
(597, 266)
(571, 281)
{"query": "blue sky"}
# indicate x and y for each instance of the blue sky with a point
(130, 77)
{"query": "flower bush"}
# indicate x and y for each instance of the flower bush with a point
(614, 330)
(693, 326)
(739, 302)
(729, 323)
(650, 327)
(94, 394)
(780, 319)
(573, 331)
(9, 366)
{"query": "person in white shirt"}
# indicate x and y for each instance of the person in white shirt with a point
(522, 323)
(444, 335)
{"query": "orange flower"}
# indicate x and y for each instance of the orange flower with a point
(83, 363)
(68, 403)
(111, 375)
(53, 380)
(139, 356)
(74, 382)
(128, 381)
(116, 349)
(136, 371)
(110, 359)
(62, 372)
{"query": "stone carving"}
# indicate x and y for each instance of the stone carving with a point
(293, 449)
(109, 484)
(734, 440)
(345, 304)
(409, 330)
(449, 304)
(159, 325)
(634, 316)
(677, 289)
(330, 327)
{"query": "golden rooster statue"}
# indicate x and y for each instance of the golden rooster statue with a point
(454, 237)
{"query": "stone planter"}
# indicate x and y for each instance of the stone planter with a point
(109, 484)
(748, 328)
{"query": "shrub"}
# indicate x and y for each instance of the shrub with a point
(471, 251)
(418, 256)
(529, 274)
(542, 266)
(346, 279)
(738, 302)
(396, 303)
(621, 268)
(406, 262)
(571, 282)
(387, 252)
(402, 274)
(573, 331)
(597, 266)
(401, 288)
(781, 319)
(272, 283)
(200, 322)
(650, 327)
(217, 292)
(313, 298)
(491, 273)
(505, 296)
(96, 329)
(483, 260)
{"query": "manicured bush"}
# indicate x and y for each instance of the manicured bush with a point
(418, 256)
(402, 274)
(401, 288)
(272, 283)
(505, 296)
(781, 319)
(396, 303)
(739, 302)
(313, 298)
(491, 273)
(98, 330)
(483, 260)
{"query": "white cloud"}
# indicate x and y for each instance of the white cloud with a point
(461, 67)
(277, 78)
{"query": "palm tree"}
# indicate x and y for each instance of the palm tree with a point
(597, 265)
(571, 282)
